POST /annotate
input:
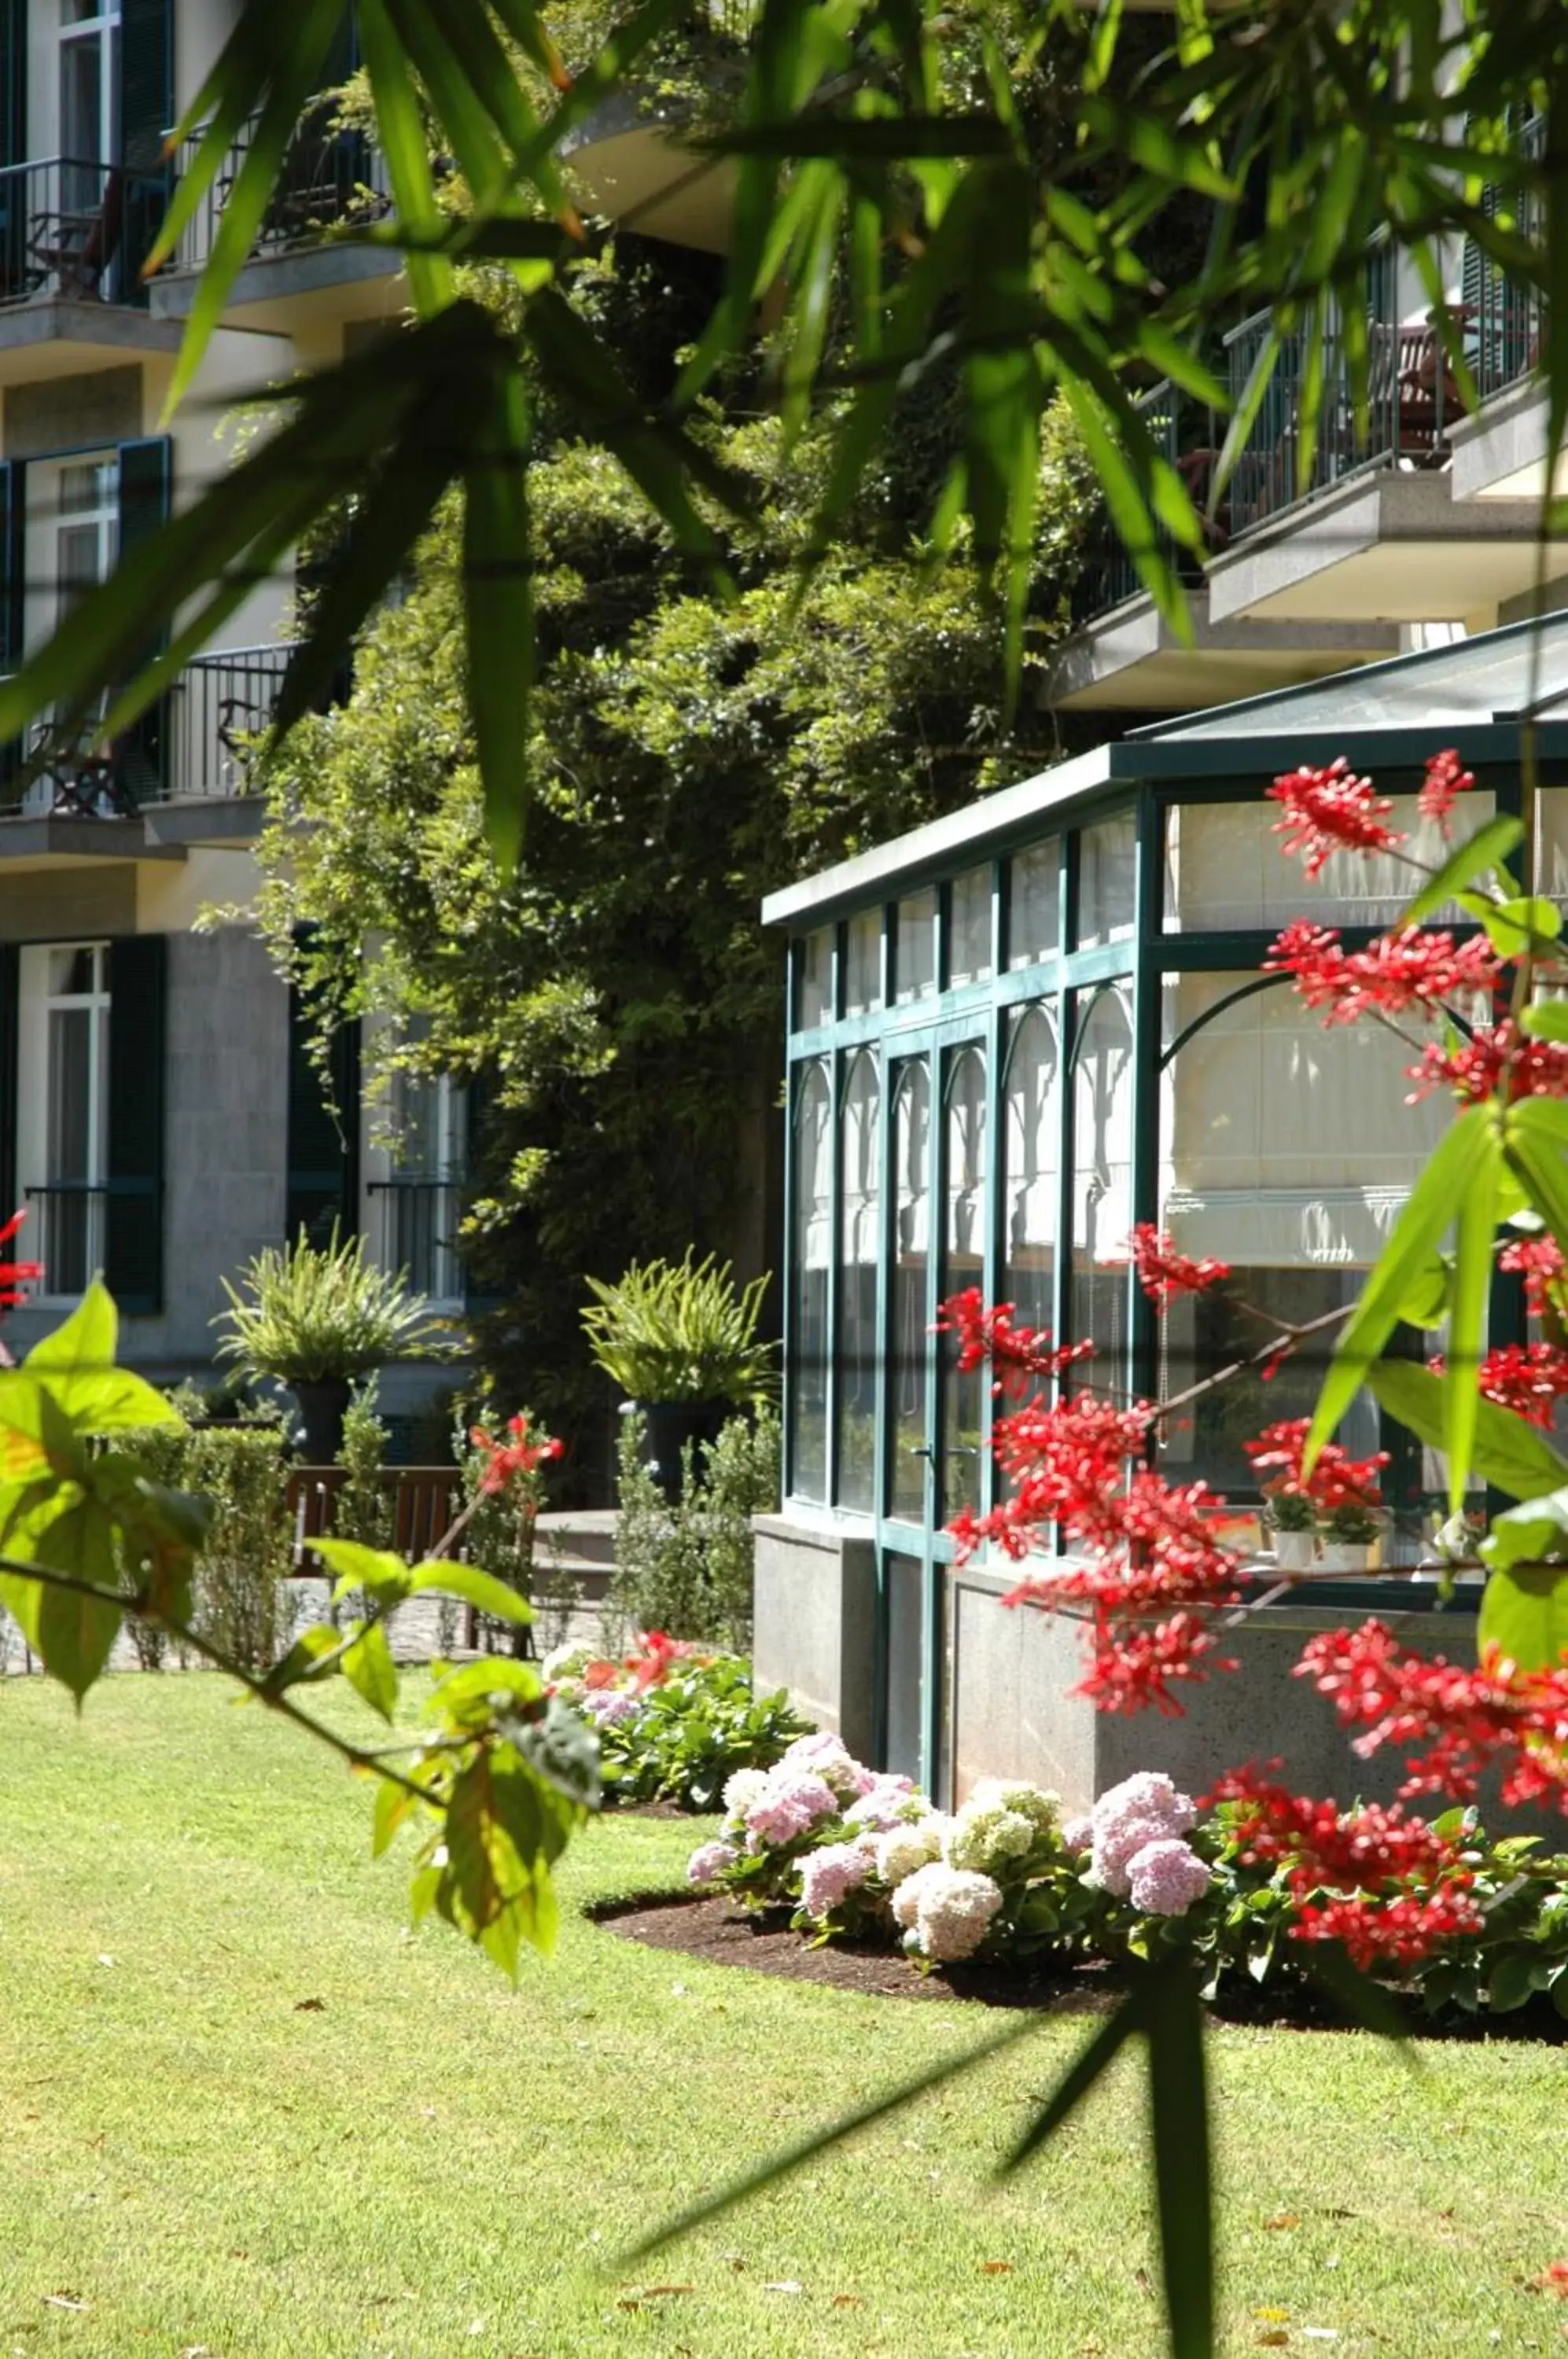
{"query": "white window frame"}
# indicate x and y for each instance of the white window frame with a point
(102, 27)
(37, 1004)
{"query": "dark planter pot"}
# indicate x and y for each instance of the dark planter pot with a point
(668, 1426)
(321, 1405)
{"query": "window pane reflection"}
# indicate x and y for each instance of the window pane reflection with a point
(859, 1197)
(969, 927)
(914, 948)
(1107, 867)
(911, 1248)
(1030, 1169)
(812, 1241)
(862, 964)
(963, 1265)
(814, 997)
(1034, 904)
(1101, 1183)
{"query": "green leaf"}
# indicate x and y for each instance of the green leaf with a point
(1179, 2107)
(85, 1341)
(482, 1591)
(1473, 1239)
(1487, 849)
(1522, 1534)
(497, 563)
(68, 1531)
(1546, 1019)
(393, 1805)
(1466, 1154)
(562, 1749)
(1510, 1984)
(1426, 1302)
(1514, 1456)
(1515, 926)
(303, 1659)
(381, 1574)
(1536, 1133)
(1524, 1614)
(369, 1667)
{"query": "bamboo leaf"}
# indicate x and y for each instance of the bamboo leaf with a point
(1473, 1233)
(1179, 2111)
(1485, 850)
(498, 567)
(1536, 1133)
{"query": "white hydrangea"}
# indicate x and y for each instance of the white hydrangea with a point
(945, 1911)
(905, 1850)
(568, 1662)
(891, 1802)
(1037, 1804)
(986, 1840)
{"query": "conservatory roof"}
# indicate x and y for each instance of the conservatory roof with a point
(1477, 692)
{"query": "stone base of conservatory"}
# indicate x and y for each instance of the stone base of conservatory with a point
(1009, 1673)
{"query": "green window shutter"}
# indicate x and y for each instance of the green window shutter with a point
(147, 83)
(145, 474)
(133, 1253)
(323, 1160)
(13, 145)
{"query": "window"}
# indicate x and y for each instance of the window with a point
(1029, 1110)
(811, 1258)
(62, 1108)
(969, 927)
(859, 1359)
(862, 964)
(1102, 1182)
(87, 528)
(914, 948)
(1034, 904)
(911, 1317)
(963, 1265)
(416, 1194)
(1107, 868)
(1224, 869)
(89, 96)
(813, 991)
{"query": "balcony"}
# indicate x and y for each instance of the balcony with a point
(303, 263)
(1123, 655)
(1501, 454)
(72, 239)
(417, 1218)
(183, 774)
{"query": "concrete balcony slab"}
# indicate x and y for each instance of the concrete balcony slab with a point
(1500, 454)
(1131, 659)
(67, 336)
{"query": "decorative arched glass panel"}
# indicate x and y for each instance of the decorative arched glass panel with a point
(1102, 1182)
(912, 1255)
(964, 1264)
(1030, 1181)
(859, 1237)
(813, 1256)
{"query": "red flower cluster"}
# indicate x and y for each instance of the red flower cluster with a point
(1163, 1273)
(650, 1662)
(508, 1459)
(1528, 1379)
(1327, 811)
(1460, 1723)
(1539, 1261)
(16, 1275)
(1446, 780)
(1337, 1480)
(1397, 1886)
(1022, 1359)
(1415, 967)
(1500, 1060)
(1152, 1550)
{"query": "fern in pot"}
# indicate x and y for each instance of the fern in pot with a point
(681, 1341)
(319, 1318)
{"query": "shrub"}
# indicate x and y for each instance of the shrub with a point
(674, 1726)
(688, 1568)
(305, 1314)
(365, 1509)
(245, 1560)
(681, 1331)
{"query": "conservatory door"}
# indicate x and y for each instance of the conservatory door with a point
(936, 1421)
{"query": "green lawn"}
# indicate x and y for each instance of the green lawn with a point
(429, 2163)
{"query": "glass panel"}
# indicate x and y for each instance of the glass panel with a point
(1287, 1149)
(969, 927)
(914, 948)
(812, 1248)
(862, 964)
(68, 1224)
(1034, 904)
(1107, 865)
(1029, 1110)
(1551, 842)
(911, 1248)
(1102, 1182)
(964, 1245)
(859, 1237)
(71, 973)
(81, 109)
(814, 997)
(1224, 869)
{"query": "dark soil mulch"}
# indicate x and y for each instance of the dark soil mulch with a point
(717, 1929)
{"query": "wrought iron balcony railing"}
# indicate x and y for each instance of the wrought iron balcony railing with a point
(417, 1224)
(69, 1236)
(1184, 432)
(76, 229)
(329, 177)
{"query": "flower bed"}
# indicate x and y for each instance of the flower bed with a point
(674, 1721)
(1251, 1891)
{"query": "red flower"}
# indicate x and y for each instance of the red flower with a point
(1498, 1060)
(1460, 1723)
(1413, 968)
(508, 1459)
(1528, 1379)
(1397, 1887)
(1337, 1480)
(651, 1666)
(16, 1275)
(1021, 1358)
(1163, 1273)
(1446, 780)
(1539, 1260)
(1328, 810)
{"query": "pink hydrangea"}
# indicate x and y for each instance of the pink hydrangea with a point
(827, 1875)
(1144, 1808)
(611, 1707)
(789, 1805)
(888, 1802)
(1165, 1877)
(1078, 1834)
(828, 1757)
(945, 1911)
(709, 1861)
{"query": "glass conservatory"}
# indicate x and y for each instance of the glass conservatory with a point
(1017, 1032)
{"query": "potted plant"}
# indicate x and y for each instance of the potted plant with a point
(1293, 1520)
(1348, 1532)
(317, 1319)
(681, 1341)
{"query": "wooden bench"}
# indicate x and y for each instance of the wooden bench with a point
(427, 1501)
